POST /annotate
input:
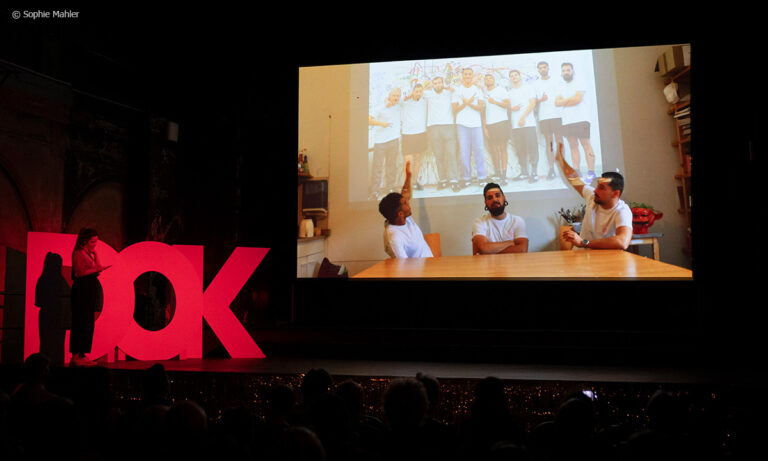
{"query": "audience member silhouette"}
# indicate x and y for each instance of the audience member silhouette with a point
(155, 386)
(441, 435)
(279, 406)
(316, 382)
(367, 431)
(405, 405)
(664, 437)
(490, 420)
(186, 425)
(73, 421)
(574, 430)
(299, 443)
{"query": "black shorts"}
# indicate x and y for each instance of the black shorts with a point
(414, 143)
(498, 132)
(551, 126)
(576, 130)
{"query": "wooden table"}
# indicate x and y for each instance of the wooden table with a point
(569, 264)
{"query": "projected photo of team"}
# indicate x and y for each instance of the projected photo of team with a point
(466, 122)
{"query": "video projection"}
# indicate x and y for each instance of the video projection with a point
(464, 122)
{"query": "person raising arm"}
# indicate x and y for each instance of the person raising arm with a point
(607, 223)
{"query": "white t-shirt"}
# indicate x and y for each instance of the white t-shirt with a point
(439, 110)
(499, 230)
(522, 96)
(384, 114)
(547, 109)
(405, 241)
(580, 112)
(468, 116)
(414, 116)
(600, 223)
(493, 112)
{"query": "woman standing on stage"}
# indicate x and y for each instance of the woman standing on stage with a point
(85, 295)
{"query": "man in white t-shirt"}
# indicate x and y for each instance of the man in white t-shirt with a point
(468, 104)
(549, 115)
(386, 144)
(498, 231)
(496, 126)
(522, 100)
(414, 130)
(607, 223)
(572, 99)
(402, 236)
(442, 133)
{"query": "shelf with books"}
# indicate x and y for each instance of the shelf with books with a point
(680, 111)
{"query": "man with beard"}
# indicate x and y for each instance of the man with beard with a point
(496, 126)
(498, 231)
(386, 147)
(402, 236)
(607, 223)
(468, 104)
(414, 130)
(576, 127)
(522, 100)
(442, 133)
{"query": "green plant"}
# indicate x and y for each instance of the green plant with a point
(640, 205)
(574, 215)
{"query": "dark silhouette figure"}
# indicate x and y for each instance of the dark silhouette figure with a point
(37, 414)
(367, 431)
(279, 412)
(299, 443)
(54, 317)
(666, 433)
(155, 386)
(575, 425)
(316, 383)
(439, 434)
(405, 410)
(491, 420)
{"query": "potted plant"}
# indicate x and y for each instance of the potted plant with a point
(570, 219)
(643, 216)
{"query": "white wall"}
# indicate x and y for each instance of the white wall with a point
(650, 159)
(329, 94)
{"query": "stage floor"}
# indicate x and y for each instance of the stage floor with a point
(472, 371)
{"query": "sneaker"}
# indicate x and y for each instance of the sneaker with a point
(442, 185)
(456, 187)
(551, 174)
(520, 177)
(534, 178)
(590, 177)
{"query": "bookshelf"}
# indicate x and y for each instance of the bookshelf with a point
(681, 114)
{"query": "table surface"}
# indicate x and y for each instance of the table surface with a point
(568, 264)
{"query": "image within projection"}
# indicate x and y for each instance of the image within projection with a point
(464, 122)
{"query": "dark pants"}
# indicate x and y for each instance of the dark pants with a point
(85, 297)
(384, 165)
(527, 148)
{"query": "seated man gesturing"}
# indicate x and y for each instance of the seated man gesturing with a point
(607, 223)
(402, 236)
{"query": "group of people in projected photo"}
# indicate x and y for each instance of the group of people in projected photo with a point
(460, 127)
